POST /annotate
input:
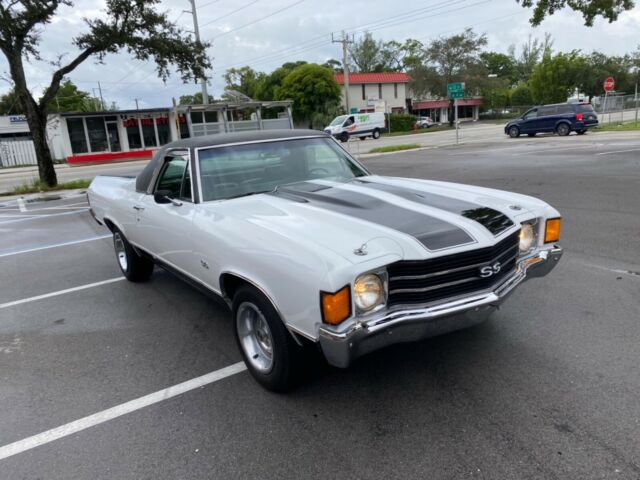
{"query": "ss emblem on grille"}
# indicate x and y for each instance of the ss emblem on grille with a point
(490, 270)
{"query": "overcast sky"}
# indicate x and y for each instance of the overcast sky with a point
(266, 33)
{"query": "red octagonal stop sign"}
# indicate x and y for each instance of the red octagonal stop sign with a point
(609, 83)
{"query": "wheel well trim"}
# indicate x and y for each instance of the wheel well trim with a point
(109, 222)
(295, 332)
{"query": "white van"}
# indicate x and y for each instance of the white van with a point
(360, 125)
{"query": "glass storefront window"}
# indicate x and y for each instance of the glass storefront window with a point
(164, 132)
(184, 128)
(148, 133)
(75, 126)
(97, 134)
(133, 133)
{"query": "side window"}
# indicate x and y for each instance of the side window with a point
(350, 121)
(565, 109)
(531, 115)
(547, 111)
(172, 177)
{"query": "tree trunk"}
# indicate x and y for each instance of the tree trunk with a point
(38, 126)
(36, 118)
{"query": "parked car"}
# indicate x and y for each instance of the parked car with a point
(424, 122)
(310, 250)
(361, 125)
(561, 118)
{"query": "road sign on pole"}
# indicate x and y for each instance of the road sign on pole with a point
(456, 95)
(609, 84)
(455, 87)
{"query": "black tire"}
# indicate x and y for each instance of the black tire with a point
(514, 132)
(581, 132)
(363, 138)
(531, 134)
(376, 134)
(563, 129)
(134, 267)
(283, 371)
(344, 137)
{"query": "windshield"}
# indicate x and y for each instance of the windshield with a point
(338, 120)
(239, 170)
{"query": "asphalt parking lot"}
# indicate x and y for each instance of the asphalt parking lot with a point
(549, 388)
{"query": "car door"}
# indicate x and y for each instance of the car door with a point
(528, 121)
(165, 222)
(547, 118)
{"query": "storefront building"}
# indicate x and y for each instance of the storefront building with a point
(137, 134)
(438, 110)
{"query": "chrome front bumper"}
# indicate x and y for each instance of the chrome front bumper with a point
(344, 343)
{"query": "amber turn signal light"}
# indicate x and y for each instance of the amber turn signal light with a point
(336, 307)
(552, 231)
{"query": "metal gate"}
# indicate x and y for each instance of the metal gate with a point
(16, 153)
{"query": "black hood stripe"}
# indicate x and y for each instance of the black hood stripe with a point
(433, 233)
(494, 221)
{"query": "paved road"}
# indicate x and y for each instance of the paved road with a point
(548, 389)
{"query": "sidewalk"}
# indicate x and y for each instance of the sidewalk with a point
(29, 169)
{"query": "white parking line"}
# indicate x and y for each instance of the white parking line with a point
(13, 219)
(21, 205)
(619, 151)
(118, 411)
(59, 292)
(55, 245)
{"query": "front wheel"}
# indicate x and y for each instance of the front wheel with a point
(563, 130)
(344, 137)
(133, 266)
(376, 134)
(268, 349)
(514, 132)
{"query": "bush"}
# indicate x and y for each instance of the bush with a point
(401, 122)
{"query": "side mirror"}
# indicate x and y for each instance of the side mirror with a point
(162, 196)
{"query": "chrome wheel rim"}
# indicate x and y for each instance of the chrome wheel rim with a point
(121, 252)
(255, 337)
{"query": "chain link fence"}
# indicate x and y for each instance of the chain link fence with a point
(616, 109)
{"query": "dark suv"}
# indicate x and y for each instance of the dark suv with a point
(561, 118)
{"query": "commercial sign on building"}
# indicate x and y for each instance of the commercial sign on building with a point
(17, 119)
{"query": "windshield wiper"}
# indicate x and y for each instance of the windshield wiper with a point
(248, 194)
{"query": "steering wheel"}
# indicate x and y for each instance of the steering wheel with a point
(318, 171)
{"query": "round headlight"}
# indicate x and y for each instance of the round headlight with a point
(527, 237)
(368, 291)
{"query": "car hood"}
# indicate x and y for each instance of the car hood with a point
(375, 216)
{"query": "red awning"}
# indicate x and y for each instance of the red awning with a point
(445, 103)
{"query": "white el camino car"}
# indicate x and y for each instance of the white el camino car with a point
(308, 248)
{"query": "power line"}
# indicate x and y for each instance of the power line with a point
(259, 19)
(208, 3)
(229, 14)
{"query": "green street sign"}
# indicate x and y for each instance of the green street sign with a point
(456, 95)
(455, 87)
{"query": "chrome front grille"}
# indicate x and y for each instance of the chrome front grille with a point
(428, 281)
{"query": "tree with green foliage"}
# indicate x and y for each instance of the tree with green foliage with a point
(556, 77)
(312, 88)
(456, 59)
(598, 66)
(368, 55)
(531, 52)
(335, 65)
(501, 65)
(195, 99)
(590, 9)
(10, 104)
(267, 88)
(71, 99)
(132, 25)
(521, 96)
(245, 80)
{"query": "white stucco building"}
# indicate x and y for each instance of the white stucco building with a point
(365, 89)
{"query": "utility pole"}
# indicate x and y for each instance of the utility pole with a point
(136, 100)
(101, 99)
(345, 41)
(196, 30)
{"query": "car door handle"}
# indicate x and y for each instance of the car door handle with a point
(138, 208)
